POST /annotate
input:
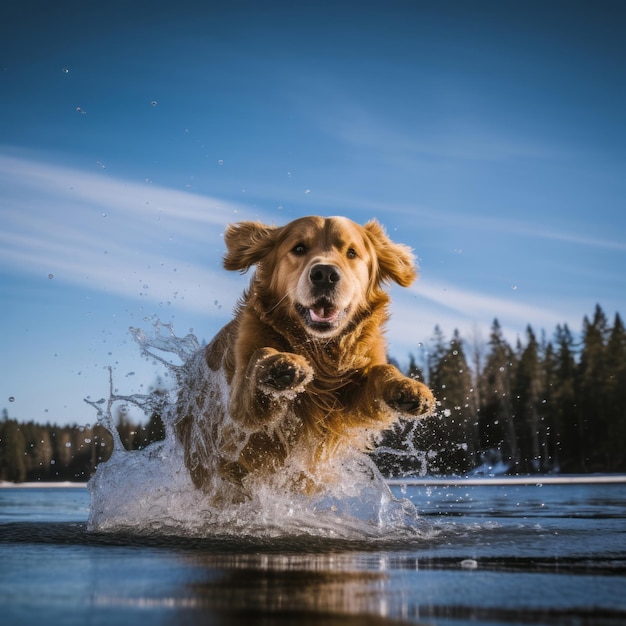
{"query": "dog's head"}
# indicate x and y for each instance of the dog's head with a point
(319, 271)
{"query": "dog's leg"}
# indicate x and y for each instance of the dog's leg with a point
(263, 392)
(403, 395)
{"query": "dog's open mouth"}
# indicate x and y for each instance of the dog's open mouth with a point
(323, 315)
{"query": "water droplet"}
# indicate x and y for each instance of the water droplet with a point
(50, 276)
(66, 70)
(104, 215)
(68, 445)
(81, 111)
(11, 398)
(514, 287)
(220, 162)
(307, 191)
(154, 103)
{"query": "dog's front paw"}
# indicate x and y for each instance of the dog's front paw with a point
(409, 397)
(284, 372)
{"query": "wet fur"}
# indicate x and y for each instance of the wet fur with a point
(276, 390)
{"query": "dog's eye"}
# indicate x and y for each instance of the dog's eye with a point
(299, 250)
(351, 254)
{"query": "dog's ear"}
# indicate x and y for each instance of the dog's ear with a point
(247, 243)
(395, 260)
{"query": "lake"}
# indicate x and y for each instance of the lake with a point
(505, 552)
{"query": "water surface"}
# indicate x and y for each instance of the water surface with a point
(492, 554)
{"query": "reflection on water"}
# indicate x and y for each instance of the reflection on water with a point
(300, 587)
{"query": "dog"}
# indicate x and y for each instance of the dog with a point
(299, 378)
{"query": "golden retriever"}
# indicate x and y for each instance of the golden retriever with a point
(301, 371)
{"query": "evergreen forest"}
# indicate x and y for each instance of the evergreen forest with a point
(542, 405)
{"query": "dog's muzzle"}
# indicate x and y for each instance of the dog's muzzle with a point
(324, 278)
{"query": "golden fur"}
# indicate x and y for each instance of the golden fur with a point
(301, 372)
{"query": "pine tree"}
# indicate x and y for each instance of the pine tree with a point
(436, 353)
(452, 386)
(528, 391)
(478, 348)
(593, 421)
(566, 414)
(414, 370)
(12, 459)
(550, 450)
(496, 423)
(615, 360)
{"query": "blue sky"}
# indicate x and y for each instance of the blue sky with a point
(489, 136)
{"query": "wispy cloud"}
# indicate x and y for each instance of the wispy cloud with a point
(119, 237)
(139, 240)
(477, 306)
(417, 310)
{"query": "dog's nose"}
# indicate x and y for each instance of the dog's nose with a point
(324, 275)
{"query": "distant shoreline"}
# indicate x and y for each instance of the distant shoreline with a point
(532, 479)
(43, 485)
(417, 481)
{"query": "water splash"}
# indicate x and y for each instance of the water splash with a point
(150, 490)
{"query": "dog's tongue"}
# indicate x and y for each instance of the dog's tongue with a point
(322, 314)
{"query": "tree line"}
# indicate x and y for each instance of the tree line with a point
(541, 405)
(49, 453)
